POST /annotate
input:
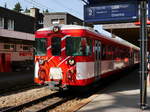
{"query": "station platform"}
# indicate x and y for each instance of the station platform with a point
(121, 96)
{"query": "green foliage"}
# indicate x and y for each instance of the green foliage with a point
(17, 7)
(27, 10)
(45, 11)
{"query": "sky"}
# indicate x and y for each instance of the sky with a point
(74, 7)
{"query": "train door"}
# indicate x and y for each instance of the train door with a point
(97, 64)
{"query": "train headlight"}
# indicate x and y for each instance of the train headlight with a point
(56, 29)
(71, 62)
(41, 61)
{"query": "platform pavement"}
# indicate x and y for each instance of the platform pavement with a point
(121, 96)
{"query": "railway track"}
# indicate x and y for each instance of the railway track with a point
(56, 99)
(41, 104)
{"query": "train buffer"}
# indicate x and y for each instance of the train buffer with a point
(121, 96)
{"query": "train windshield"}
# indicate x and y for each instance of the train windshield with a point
(40, 46)
(56, 46)
(77, 46)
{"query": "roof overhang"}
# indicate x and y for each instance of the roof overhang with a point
(16, 35)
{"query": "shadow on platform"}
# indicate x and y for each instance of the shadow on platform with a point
(121, 96)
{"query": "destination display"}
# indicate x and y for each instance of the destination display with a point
(111, 12)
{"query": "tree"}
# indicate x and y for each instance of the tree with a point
(17, 7)
(27, 10)
(46, 11)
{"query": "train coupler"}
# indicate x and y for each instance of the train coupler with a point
(54, 85)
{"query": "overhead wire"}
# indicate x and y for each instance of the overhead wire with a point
(64, 6)
(39, 5)
(43, 5)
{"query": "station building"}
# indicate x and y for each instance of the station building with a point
(16, 39)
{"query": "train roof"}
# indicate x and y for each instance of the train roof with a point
(101, 31)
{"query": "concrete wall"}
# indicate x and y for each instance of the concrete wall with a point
(51, 16)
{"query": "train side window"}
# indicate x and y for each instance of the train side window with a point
(56, 46)
(103, 52)
(41, 46)
(116, 53)
(113, 52)
(86, 45)
(77, 46)
(88, 50)
(108, 53)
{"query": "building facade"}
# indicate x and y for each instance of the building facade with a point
(62, 18)
(16, 40)
(35, 13)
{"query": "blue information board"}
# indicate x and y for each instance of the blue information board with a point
(112, 12)
(149, 9)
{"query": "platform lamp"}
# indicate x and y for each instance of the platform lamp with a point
(143, 54)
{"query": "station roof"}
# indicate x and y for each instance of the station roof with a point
(127, 31)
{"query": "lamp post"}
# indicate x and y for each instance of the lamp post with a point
(143, 54)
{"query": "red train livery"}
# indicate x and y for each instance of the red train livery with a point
(72, 55)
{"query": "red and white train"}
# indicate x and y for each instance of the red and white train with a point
(72, 55)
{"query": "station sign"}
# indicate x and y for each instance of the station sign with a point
(149, 9)
(112, 12)
(97, 1)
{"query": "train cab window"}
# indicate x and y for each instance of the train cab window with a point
(77, 46)
(56, 46)
(41, 46)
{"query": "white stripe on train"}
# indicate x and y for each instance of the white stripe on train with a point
(63, 61)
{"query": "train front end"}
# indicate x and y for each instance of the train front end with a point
(52, 66)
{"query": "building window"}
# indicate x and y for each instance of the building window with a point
(10, 47)
(57, 21)
(26, 48)
(21, 47)
(62, 21)
(40, 22)
(10, 24)
(1, 22)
